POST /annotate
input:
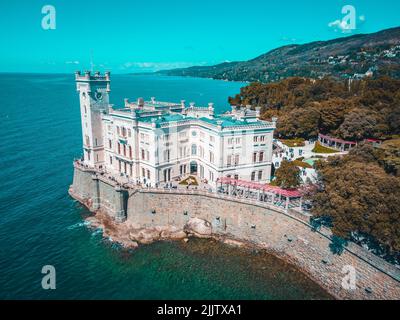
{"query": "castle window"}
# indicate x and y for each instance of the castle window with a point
(255, 139)
(211, 157)
(142, 154)
(229, 160)
(166, 155)
(110, 143)
(230, 140)
(147, 155)
(236, 160)
(253, 176)
(236, 177)
(118, 130)
(254, 157)
(119, 148)
(262, 138)
(194, 150)
(124, 150)
(261, 156)
(238, 140)
(95, 142)
(148, 174)
(143, 173)
(260, 175)
(129, 133)
(130, 152)
(85, 109)
(211, 176)
(110, 160)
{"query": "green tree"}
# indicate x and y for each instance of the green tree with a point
(288, 175)
(362, 123)
(300, 123)
(360, 198)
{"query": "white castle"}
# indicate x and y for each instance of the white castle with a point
(155, 142)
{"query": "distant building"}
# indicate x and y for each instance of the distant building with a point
(153, 141)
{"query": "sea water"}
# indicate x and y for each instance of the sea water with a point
(41, 225)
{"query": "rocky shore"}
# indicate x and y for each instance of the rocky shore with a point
(130, 236)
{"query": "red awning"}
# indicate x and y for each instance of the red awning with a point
(289, 193)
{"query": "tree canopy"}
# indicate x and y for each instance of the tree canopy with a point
(288, 175)
(360, 194)
(368, 108)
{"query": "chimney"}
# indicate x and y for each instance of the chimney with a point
(258, 112)
(140, 102)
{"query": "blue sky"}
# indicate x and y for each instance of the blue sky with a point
(132, 35)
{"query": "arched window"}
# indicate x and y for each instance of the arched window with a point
(194, 150)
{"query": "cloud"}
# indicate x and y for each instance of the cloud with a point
(343, 26)
(340, 25)
(289, 39)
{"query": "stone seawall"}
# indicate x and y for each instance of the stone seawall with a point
(285, 234)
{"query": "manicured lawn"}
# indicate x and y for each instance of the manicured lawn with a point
(321, 149)
(189, 180)
(293, 143)
(302, 164)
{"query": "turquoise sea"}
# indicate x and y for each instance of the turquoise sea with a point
(41, 225)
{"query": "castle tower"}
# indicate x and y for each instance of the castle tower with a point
(94, 101)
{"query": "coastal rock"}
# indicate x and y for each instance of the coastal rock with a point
(233, 243)
(199, 227)
(148, 236)
(144, 236)
(173, 234)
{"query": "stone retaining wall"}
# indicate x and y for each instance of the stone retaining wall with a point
(286, 235)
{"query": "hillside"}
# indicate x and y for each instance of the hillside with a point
(376, 54)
